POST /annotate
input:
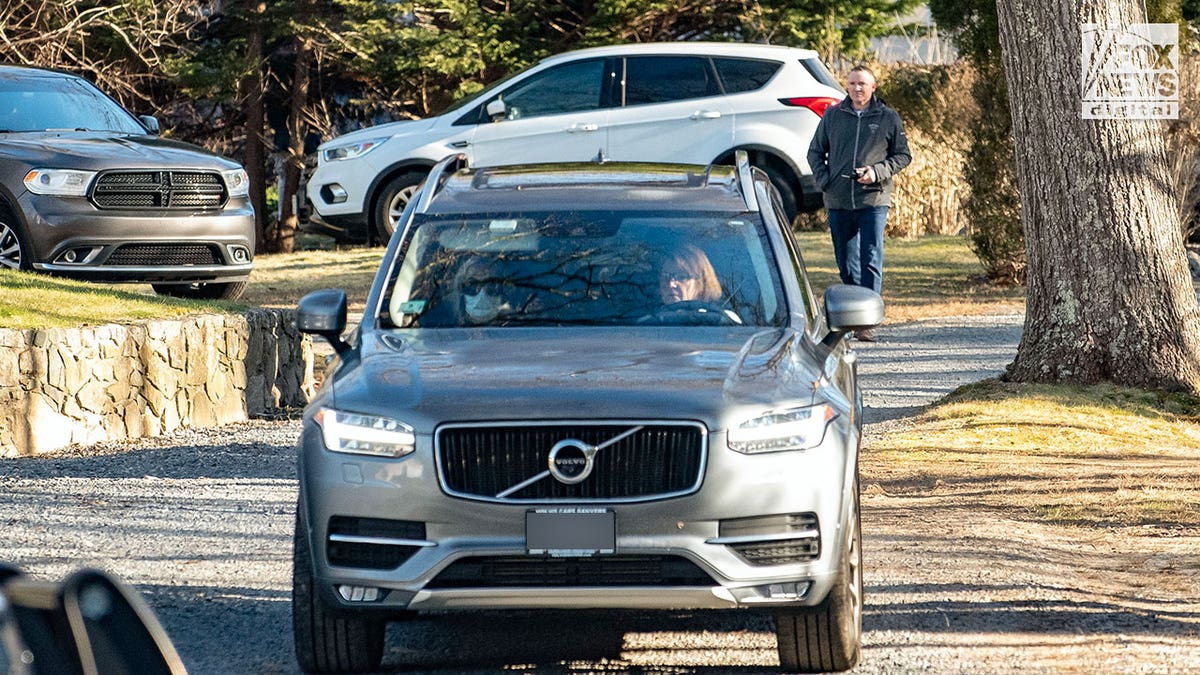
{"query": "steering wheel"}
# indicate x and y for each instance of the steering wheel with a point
(695, 313)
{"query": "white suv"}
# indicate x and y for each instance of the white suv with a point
(685, 102)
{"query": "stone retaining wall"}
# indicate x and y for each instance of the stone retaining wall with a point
(111, 382)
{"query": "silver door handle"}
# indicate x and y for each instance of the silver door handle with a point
(582, 127)
(705, 115)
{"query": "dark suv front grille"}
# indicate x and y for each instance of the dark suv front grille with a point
(160, 255)
(659, 460)
(172, 190)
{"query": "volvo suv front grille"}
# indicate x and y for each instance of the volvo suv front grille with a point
(649, 461)
(156, 190)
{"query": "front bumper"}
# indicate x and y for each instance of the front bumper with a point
(68, 236)
(682, 530)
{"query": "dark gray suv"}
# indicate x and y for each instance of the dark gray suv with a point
(593, 385)
(89, 191)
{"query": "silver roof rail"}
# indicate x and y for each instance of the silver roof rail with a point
(437, 178)
(745, 180)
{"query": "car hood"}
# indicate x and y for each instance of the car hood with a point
(389, 130)
(99, 150)
(704, 374)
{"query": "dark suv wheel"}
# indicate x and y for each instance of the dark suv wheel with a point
(327, 642)
(12, 247)
(827, 637)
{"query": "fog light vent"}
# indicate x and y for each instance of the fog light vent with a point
(772, 540)
(787, 591)
(78, 256)
(240, 254)
(334, 193)
(373, 543)
(359, 593)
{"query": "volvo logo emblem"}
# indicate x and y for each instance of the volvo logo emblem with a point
(570, 461)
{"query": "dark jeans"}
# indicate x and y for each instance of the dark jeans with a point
(858, 244)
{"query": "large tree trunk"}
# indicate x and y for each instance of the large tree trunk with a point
(1109, 297)
(252, 94)
(293, 162)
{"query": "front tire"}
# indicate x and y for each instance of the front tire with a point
(827, 637)
(327, 642)
(389, 205)
(13, 250)
(231, 290)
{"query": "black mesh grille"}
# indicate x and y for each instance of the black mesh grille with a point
(538, 572)
(803, 544)
(657, 460)
(159, 255)
(779, 552)
(175, 190)
(367, 555)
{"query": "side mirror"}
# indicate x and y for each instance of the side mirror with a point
(324, 313)
(89, 623)
(496, 110)
(850, 308)
(151, 124)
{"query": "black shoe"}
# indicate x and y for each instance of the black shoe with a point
(865, 335)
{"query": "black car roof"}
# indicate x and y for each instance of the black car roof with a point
(590, 186)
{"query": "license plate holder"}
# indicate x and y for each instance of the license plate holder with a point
(570, 532)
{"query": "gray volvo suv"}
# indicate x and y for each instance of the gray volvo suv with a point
(89, 191)
(591, 385)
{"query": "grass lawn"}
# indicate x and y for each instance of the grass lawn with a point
(37, 301)
(923, 277)
(1100, 456)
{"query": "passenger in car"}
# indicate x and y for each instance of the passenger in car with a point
(686, 274)
(482, 292)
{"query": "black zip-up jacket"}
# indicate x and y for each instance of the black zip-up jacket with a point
(844, 140)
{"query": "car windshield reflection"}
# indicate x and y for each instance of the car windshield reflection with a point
(585, 268)
(60, 103)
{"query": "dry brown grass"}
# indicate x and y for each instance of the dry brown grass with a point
(1097, 456)
(924, 277)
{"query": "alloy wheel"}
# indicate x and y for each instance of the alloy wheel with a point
(10, 248)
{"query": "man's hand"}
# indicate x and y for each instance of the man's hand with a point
(866, 175)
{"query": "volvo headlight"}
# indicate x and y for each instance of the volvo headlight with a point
(337, 153)
(63, 182)
(236, 182)
(794, 429)
(364, 434)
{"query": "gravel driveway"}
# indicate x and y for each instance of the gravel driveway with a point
(201, 522)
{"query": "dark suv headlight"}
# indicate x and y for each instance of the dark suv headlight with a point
(62, 182)
(358, 434)
(793, 429)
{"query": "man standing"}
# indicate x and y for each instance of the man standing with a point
(859, 145)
